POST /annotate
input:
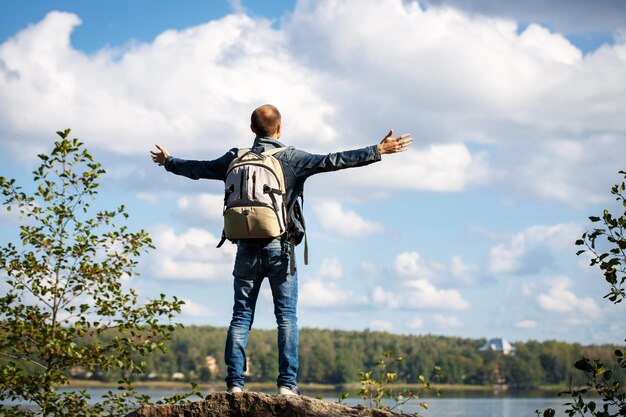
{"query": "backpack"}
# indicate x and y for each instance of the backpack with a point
(254, 206)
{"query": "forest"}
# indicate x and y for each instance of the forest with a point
(335, 357)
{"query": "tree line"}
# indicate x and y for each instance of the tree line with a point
(335, 357)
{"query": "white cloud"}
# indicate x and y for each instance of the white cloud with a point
(415, 323)
(191, 255)
(411, 264)
(331, 268)
(195, 85)
(532, 249)
(201, 208)
(489, 104)
(568, 15)
(423, 294)
(419, 294)
(448, 321)
(338, 221)
(462, 272)
(193, 309)
(320, 293)
(150, 198)
(525, 94)
(408, 263)
(323, 289)
(381, 325)
(437, 167)
(526, 324)
(387, 299)
(560, 299)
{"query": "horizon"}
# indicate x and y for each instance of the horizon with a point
(515, 109)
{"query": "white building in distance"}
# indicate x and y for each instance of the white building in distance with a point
(498, 344)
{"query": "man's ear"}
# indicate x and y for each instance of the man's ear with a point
(278, 129)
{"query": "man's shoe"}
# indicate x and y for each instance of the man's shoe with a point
(288, 391)
(234, 389)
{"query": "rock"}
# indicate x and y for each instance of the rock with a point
(255, 404)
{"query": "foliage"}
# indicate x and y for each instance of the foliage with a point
(375, 389)
(323, 356)
(64, 292)
(606, 245)
(611, 233)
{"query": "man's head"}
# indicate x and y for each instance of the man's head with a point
(265, 121)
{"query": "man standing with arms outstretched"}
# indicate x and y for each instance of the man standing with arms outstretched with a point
(258, 259)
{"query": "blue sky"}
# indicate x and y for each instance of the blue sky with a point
(516, 109)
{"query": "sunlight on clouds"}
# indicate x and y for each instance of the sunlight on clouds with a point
(336, 220)
(463, 79)
(318, 291)
(560, 299)
(532, 249)
(423, 294)
(331, 268)
(551, 46)
(202, 208)
(191, 255)
(499, 109)
(411, 264)
(469, 77)
(419, 294)
(193, 309)
(196, 85)
(408, 263)
(574, 171)
(462, 272)
(446, 167)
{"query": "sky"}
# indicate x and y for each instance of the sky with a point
(516, 109)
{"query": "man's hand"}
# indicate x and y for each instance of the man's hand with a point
(159, 157)
(392, 145)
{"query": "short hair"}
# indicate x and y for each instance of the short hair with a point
(265, 120)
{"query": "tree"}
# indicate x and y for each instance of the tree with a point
(66, 305)
(606, 245)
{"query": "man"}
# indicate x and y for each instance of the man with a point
(260, 258)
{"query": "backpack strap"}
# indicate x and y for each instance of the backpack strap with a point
(241, 152)
(306, 244)
(292, 239)
(275, 150)
(222, 240)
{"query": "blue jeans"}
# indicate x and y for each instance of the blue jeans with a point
(255, 261)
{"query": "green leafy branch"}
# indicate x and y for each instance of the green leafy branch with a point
(380, 385)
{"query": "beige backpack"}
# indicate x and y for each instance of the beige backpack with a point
(254, 206)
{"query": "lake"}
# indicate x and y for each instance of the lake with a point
(462, 406)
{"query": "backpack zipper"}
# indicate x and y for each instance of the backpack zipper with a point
(254, 185)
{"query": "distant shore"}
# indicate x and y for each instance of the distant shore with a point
(269, 387)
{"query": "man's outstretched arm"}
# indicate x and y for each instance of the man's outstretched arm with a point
(389, 144)
(213, 170)
(305, 164)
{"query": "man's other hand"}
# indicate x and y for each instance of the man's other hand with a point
(393, 145)
(159, 157)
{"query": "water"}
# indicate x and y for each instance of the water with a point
(483, 407)
(497, 406)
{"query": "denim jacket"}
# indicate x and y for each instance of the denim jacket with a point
(297, 165)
